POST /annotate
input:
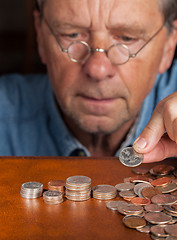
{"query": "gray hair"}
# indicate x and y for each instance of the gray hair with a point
(167, 7)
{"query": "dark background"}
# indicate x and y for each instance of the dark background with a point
(18, 48)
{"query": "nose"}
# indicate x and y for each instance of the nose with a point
(99, 67)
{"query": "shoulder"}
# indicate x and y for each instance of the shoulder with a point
(20, 92)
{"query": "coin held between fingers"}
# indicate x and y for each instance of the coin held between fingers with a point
(130, 158)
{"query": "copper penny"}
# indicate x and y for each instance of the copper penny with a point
(164, 199)
(140, 170)
(149, 192)
(134, 221)
(157, 218)
(172, 230)
(171, 187)
(159, 230)
(57, 185)
(163, 169)
(161, 181)
(153, 208)
(139, 178)
(140, 201)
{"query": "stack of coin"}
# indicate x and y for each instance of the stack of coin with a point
(53, 197)
(104, 192)
(31, 190)
(78, 188)
(57, 185)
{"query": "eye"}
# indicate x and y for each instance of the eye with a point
(72, 35)
(127, 39)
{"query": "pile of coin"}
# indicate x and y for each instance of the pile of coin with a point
(104, 192)
(57, 185)
(78, 188)
(151, 201)
(52, 197)
(31, 190)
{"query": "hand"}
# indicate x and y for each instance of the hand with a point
(158, 140)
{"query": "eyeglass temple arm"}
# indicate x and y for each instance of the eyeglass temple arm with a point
(133, 55)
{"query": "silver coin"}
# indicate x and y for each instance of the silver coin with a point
(32, 185)
(130, 158)
(157, 218)
(159, 230)
(125, 186)
(112, 205)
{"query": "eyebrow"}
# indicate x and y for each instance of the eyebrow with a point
(131, 29)
(134, 29)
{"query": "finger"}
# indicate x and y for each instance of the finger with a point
(152, 133)
(165, 148)
(170, 116)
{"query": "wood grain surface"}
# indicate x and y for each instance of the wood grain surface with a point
(26, 219)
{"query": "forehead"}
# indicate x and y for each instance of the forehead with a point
(109, 12)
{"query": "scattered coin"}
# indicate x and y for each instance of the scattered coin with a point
(134, 221)
(140, 201)
(171, 230)
(140, 170)
(163, 181)
(130, 158)
(159, 230)
(171, 187)
(164, 199)
(153, 208)
(113, 205)
(125, 186)
(149, 192)
(157, 218)
(127, 194)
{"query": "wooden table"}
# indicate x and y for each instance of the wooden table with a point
(24, 219)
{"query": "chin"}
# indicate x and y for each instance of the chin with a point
(101, 126)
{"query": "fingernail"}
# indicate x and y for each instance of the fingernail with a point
(140, 143)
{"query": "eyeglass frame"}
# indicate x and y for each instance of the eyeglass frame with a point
(101, 50)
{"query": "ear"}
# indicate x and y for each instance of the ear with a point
(169, 49)
(37, 24)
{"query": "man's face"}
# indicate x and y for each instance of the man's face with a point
(97, 95)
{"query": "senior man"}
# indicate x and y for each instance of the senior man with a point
(109, 64)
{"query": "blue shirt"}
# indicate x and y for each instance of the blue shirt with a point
(31, 125)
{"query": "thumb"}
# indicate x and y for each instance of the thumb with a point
(165, 148)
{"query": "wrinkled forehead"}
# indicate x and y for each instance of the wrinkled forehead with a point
(90, 12)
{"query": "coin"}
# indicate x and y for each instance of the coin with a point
(127, 194)
(31, 190)
(134, 221)
(130, 158)
(140, 201)
(163, 169)
(159, 230)
(145, 229)
(164, 199)
(171, 187)
(138, 188)
(149, 192)
(124, 186)
(153, 208)
(140, 170)
(57, 185)
(157, 218)
(112, 205)
(104, 192)
(163, 181)
(52, 197)
(172, 230)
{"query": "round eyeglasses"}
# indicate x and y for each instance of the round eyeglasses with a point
(79, 51)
